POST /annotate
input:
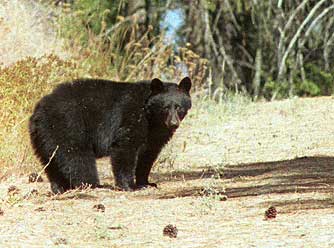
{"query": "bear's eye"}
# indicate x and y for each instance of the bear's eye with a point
(181, 114)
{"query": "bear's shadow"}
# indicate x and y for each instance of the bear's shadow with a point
(300, 175)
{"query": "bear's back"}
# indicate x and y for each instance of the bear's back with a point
(100, 89)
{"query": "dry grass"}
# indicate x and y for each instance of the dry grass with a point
(32, 61)
(267, 154)
(22, 84)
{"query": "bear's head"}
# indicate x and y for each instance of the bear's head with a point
(168, 103)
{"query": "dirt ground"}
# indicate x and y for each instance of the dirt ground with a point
(225, 167)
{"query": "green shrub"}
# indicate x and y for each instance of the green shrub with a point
(317, 83)
(307, 88)
(277, 90)
(323, 80)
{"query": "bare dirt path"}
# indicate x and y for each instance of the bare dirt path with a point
(257, 154)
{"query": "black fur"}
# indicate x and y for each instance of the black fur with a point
(88, 119)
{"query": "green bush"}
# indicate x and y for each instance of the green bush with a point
(323, 80)
(92, 15)
(317, 83)
(307, 88)
(277, 90)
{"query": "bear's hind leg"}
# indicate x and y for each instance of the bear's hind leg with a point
(71, 169)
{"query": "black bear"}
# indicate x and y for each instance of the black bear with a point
(91, 118)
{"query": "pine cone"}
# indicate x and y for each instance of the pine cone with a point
(170, 231)
(271, 213)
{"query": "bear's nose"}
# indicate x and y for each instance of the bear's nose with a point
(174, 125)
(174, 122)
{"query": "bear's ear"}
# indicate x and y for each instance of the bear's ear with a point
(156, 86)
(185, 85)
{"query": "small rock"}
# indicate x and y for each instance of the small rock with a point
(99, 207)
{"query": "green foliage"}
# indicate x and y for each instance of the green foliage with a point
(85, 16)
(231, 33)
(317, 83)
(97, 14)
(209, 4)
(323, 80)
(276, 90)
(307, 88)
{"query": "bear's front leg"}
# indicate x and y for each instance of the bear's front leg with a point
(124, 167)
(144, 166)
